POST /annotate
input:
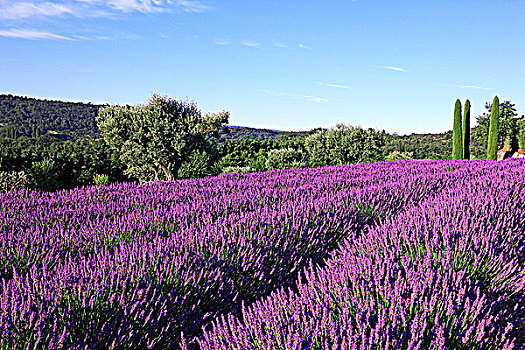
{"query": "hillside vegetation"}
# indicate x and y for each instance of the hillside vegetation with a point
(50, 145)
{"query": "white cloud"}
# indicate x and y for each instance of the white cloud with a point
(14, 10)
(333, 85)
(297, 96)
(136, 5)
(303, 46)
(277, 44)
(473, 87)
(32, 34)
(250, 43)
(19, 10)
(191, 6)
(399, 69)
(221, 42)
(96, 37)
(466, 86)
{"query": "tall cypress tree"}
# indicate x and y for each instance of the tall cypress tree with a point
(457, 152)
(466, 131)
(492, 148)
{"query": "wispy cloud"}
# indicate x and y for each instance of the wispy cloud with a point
(250, 43)
(20, 10)
(466, 86)
(277, 44)
(96, 37)
(303, 46)
(221, 42)
(473, 87)
(191, 6)
(15, 10)
(399, 69)
(35, 34)
(333, 85)
(32, 34)
(297, 96)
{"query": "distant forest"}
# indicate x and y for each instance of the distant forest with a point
(24, 116)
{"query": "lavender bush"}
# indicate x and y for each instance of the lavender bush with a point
(192, 263)
(447, 273)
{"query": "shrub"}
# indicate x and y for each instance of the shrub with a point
(101, 179)
(238, 169)
(44, 175)
(258, 161)
(344, 145)
(13, 180)
(199, 164)
(396, 155)
(285, 158)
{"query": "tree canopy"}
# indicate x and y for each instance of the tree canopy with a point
(509, 124)
(154, 139)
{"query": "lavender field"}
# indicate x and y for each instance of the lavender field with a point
(385, 255)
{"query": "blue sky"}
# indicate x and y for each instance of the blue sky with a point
(285, 65)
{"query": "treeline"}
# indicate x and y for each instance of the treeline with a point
(30, 117)
(238, 133)
(45, 163)
(432, 146)
(167, 139)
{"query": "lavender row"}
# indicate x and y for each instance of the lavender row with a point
(134, 265)
(448, 273)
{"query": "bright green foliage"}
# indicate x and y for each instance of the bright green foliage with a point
(492, 149)
(521, 134)
(457, 149)
(101, 179)
(199, 164)
(238, 169)
(246, 153)
(396, 155)
(155, 139)
(508, 125)
(343, 145)
(466, 131)
(285, 158)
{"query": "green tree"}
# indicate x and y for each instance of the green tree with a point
(285, 158)
(521, 133)
(508, 125)
(44, 175)
(492, 148)
(154, 139)
(344, 145)
(466, 131)
(457, 151)
(199, 164)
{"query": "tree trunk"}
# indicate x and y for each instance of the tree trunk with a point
(167, 172)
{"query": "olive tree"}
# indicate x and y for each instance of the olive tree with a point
(285, 158)
(344, 144)
(154, 139)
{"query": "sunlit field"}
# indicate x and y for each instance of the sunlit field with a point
(384, 255)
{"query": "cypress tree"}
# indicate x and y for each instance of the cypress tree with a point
(492, 148)
(466, 131)
(457, 152)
